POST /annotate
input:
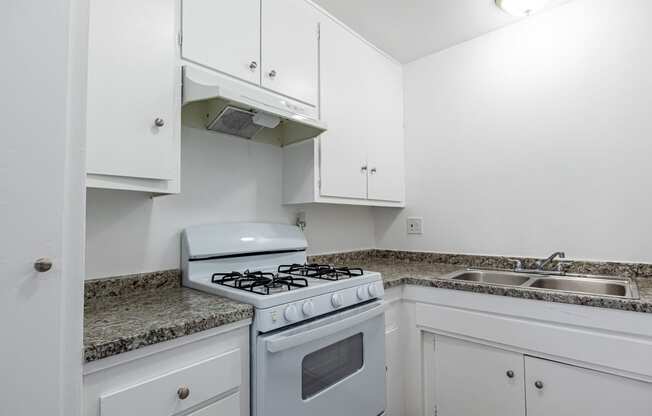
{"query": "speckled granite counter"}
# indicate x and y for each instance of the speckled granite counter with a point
(422, 269)
(124, 314)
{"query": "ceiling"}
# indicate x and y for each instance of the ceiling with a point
(411, 29)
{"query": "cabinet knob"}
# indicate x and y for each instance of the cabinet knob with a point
(183, 392)
(272, 73)
(538, 384)
(43, 264)
(372, 171)
(510, 374)
(253, 65)
(159, 122)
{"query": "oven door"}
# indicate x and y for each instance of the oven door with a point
(330, 366)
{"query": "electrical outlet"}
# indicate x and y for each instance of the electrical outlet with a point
(415, 225)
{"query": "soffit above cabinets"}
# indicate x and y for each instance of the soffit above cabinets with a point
(410, 29)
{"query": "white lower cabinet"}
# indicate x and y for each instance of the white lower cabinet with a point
(558, 389)
(472, 379)
(475, 379)
(206, 377)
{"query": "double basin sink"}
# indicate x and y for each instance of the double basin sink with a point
(571, 283)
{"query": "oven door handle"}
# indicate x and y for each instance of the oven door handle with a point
(291, 341)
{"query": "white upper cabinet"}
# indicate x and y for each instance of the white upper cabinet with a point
(385, 141)
(133, 93)
(344, 145)
(290, 49)
(223, 35)
(360, 158)
(273, 43)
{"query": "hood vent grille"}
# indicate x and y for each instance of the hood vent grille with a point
(235, 121)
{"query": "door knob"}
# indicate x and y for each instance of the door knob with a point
(510, 373)
(183, 392)
(272, 73)
(43, 265)
(253, 65)
(538, 384)
(159, 122)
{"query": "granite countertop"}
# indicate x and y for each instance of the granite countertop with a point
(427, 274)
(131, 312)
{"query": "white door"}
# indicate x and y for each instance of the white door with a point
(39, 200)
(223, 35)
(384, 112)
(562, 390)
(343, 146)
(132, 75)
(290, 49)
(473, 379)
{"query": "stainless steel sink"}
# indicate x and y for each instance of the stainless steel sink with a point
(496, 278)
(572, 283)
(583, 285)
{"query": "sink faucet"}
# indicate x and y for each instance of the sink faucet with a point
(542, 263)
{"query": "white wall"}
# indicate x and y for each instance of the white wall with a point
(223, 179)
(533, 138)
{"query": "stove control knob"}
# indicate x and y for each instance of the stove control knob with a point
(308, 308)
(336, 300)
(362, 293)
(290, 313)
(372, 290)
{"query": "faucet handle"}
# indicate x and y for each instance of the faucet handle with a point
(518, 264)
(561, 264)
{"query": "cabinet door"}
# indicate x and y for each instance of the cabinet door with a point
(223, 35)
(562, 390)
(473, 379)
(343, 146)
(290, 49)
(132, 77)
(385, 123)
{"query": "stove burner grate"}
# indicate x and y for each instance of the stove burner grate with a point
(321, 271)
(258, 282)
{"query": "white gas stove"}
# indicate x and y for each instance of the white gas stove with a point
(265, 265)
(318, 330)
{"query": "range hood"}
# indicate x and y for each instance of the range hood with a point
(235, 107)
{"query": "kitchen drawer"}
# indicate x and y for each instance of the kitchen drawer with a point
(158, 396)
(228, 406)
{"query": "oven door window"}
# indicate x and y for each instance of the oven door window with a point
(329, 365)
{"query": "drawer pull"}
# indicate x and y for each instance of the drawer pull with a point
(183, 392)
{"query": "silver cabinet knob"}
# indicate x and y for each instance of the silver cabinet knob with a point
(253, 65)
(159, 122)
(510, 374)
(272, 73)
(538, 384)
(363, 168)
(43, 264)
(373, 170)
(183, 392)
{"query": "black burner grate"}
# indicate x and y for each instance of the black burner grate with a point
(321, 271)
(258, 282)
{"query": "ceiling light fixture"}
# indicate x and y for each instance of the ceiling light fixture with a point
(521, 7)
